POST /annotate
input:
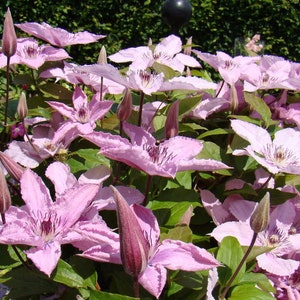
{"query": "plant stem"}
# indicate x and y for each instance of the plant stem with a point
(225, 291)
(136, 287)
(141, 109)
(148, 184)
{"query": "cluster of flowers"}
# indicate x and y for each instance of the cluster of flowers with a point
(261, 126)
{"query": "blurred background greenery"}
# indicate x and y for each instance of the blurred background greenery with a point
(214, 24)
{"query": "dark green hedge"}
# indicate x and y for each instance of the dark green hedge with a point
(214, 25)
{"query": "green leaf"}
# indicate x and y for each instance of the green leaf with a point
(182, 233)
(218, 131)
(260, 106)
(108, 296)
(172, 204)
(249, 292)
(65, 274)
(85, 159)
(230, 254)
(187, 104)
(160, 68)
(24, 283)
(259, 279)
(57, 91)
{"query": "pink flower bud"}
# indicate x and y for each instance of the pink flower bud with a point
(260, 218)
(125, 107)
(188, 48)
(14, 169)
(171, 126)
(9, 38)
(133, 244)
(5, 200)
(102, 58)
(22, 109)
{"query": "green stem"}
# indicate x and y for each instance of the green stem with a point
(148, 184)
(141, 109)
(225, 291)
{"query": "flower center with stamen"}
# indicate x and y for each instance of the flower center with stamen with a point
(47, 228)
(158, 154)
(82, 114)
(30, 51)
(147, 78)
(280, 156)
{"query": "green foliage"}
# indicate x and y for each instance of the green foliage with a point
(213, 26)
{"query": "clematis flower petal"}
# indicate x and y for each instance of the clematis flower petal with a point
(58, 36)
(51, 250)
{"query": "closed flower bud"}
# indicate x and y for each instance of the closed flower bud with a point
(171, 126)
(260, 218)
(22, 109)
(5, 200)
(133, 244)
(9, 38)
(13, 169)
(125, 107)
(102, 58)
(188, 49)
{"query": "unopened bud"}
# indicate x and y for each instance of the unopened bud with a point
(9, 38)
(133, 245)
(125, 106)
(102, 58)
(171, 126)
(5, 200)
(22, 109)
(188, 49)
(150, 42)
(260, 218)
(13, 168)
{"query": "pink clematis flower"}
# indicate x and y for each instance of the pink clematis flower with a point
(151, 257)
(32, 55)
(43, 224)
(143, 153)
(167, 52)
(71, 74)
(230, 68)
(272, 72)
(278, 236)
(82, 117)
(147, 82)
(280, 155)
(58, 36)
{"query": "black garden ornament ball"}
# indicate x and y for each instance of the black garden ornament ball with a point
(176, 13)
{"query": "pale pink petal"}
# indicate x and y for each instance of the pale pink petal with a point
(105, 198)
(76, 200)
(241, 231)
(214, 207)
(153, 279)
(177, 255)
(257, 136)
(35, 194)
(276, 265)
(58, 36)
(46, 258)
(61, 177)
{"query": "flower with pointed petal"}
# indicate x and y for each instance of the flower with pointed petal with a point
(58, 36)
(280, 155)
(32, 55)
(277, 236)
(82, 117)
(43, 224)
(167, 52)
(143, 153)
(150, 258)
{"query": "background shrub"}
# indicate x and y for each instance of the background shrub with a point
(214, 24)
